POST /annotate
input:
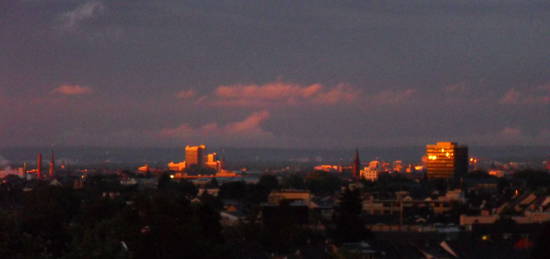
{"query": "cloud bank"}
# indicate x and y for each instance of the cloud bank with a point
(540, 95)
(281, 93)
(250, 127)
(72, 90)
(71, 20)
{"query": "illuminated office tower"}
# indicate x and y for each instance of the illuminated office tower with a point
(194, 155)
(446, 160)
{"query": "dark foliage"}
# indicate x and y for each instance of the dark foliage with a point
(349, 225)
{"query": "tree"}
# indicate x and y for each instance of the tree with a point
(540, 250)
(294, 181)
(269, 182)
(181, 187)
(213, 183)
(46, 214)
(320, 183)
(233, 190)
(350, 226)
(164, 181)
(533, 178)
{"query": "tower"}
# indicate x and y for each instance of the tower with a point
(39, 166)
(446, 160)
(52, 165)
(356, 165)
(194, 155)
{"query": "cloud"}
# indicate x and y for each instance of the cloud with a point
(510, 132)
(186, 94)
(338, 94)
(280, 93)
(392, 96)
(72, 90)
(544, 88)
(510, 97)
(456, 88)
(71, 20)
(250, 127)
(539, 95)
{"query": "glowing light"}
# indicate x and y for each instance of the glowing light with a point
(432, 157)
(485, 237)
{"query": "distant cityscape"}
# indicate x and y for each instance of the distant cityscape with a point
(402, 129)
(448, 204)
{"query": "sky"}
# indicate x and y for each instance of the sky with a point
(286, 73)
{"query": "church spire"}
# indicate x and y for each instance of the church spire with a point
(356, 166)
(39, 166)
(52, 165)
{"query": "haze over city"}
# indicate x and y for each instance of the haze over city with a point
(298, 74)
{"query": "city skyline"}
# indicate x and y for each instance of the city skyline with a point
(314, 74)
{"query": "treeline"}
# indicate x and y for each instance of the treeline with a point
(106, 220)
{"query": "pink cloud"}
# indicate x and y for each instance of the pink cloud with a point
(392, 96)
(251, 126)
(186, 94)
(340, 93)
(510, 97)
(510, 132)
(283, 93)
(280, 93)
(72, 90)
(455, 88)
(533, 96)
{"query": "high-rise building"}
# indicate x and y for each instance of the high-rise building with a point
(194, 155)
(446, 160)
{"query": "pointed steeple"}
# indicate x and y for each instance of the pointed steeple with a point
(356, 166)
(52, 165)
(39, 166)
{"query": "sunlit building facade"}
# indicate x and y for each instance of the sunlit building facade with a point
(446, 160)
(213, 162)
(329, 168)
(194, 155)
(371, 172)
